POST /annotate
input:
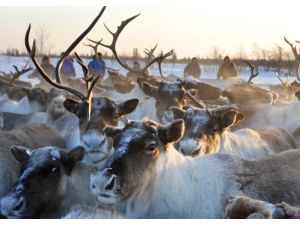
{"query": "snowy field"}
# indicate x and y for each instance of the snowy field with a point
(208, 72)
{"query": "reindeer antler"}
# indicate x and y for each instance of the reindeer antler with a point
(58, 84)
(13, 76)
(94, 47)
(112, 47)
(252, 75)
(150, 53)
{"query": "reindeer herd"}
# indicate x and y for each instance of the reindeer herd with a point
(155, 147)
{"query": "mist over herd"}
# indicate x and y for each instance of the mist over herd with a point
(102, 144)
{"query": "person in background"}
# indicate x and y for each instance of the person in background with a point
(67, 69)
(193, 69)
(134, 76)
(97, 66)
(227, 69)
(47, 67)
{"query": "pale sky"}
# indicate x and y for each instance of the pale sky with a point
(191, 29)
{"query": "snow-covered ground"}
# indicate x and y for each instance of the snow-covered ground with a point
(208, 72)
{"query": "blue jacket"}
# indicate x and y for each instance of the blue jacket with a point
(67, 68)
(97, 67)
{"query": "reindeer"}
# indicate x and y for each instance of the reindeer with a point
(246, 93)
(51, 181)
(13, 77)
(27, 99)
(94, 113)
(170, 93)
(25, 110)
(154, 180)
(31, 136)
(208, 131)
(120, 83)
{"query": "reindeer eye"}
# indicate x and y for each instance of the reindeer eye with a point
(152, 149)
(54, 171)
(216, 128)
(117, 117)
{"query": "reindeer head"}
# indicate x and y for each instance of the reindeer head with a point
(43, 181)
(138, 146)
(204, 128)
(247, 94)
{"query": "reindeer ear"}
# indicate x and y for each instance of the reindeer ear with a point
(127, 106)
(178, 113)
(171, 132)
(73, 156)
(72, 106)
(149, 90)
(231, 118)
(76, 154)
(20, 153)
(111, 131)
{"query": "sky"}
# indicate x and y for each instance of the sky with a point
(192, 28)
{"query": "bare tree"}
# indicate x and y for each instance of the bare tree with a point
(296, 57)
(241, 54)
(42, 37)
(264, 53)
(216, 53)
(256, 51)
(135, 53)
(174, 58)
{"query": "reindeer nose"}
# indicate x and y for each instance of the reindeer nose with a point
(102, 181)
(10, 204)
(111, 184)
(18, 205)
(189, 147)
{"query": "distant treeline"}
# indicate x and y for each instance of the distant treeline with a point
(267, 64)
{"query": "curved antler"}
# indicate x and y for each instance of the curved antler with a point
(159, 61)
(112, 47)
(58, 84)
(13, 76)
(94, 47)
(150, 52)
(253, 75)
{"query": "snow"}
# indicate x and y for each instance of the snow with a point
(208, 72)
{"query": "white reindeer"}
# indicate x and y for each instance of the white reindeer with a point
(208, 131)
(156, 181)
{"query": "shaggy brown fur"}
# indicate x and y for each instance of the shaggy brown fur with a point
(265, 179)
(243, 207)
(290, 211)
(278, 139)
